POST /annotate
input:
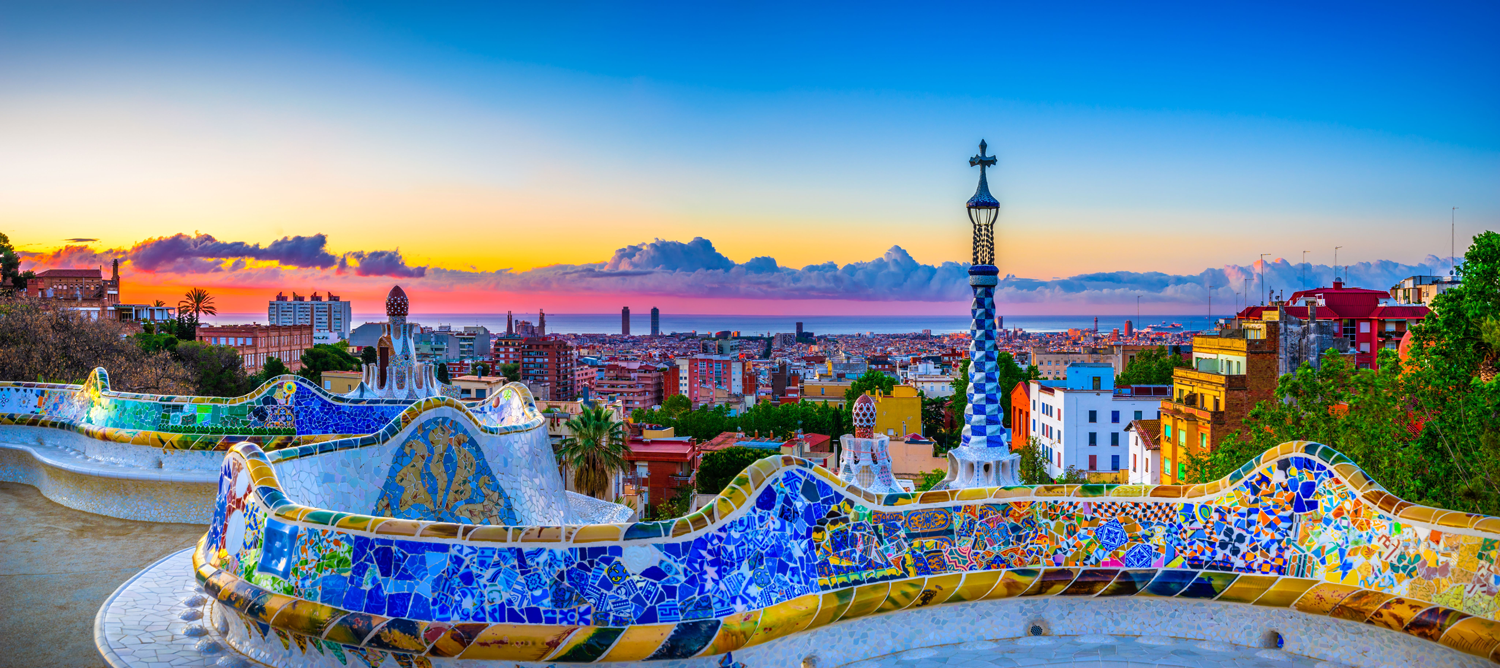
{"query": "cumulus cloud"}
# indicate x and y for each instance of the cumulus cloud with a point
(697, 269)
(202, 252)
(379, 263)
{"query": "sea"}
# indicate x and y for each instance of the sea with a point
(758, 325)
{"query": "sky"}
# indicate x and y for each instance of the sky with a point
(744, 158)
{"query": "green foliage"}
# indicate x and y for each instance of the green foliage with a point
(1427, 429)
(719, 467)
(595, 450)
(1010, 373)
(511, 371)
(1033, 468)
(677, 404)
(930, 479)
(960, 391)
(369, 355)
(151, 342)
(934, 418)
(324, 357)
(217, 371)
(481, 369)
(1152, 366)
(769, 419)
(11, 275)
(273, 368)
(441, 371)
(197, 302)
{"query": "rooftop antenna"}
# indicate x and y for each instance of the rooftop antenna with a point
(1263, 275)
(1453, 242)
(1336, 262)
(1304, 270)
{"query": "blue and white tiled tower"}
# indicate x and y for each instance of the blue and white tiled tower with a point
(983, 458)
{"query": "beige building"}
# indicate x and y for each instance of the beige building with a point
(824, 392)
(474, 388)
(341, 382)
(1054, 365)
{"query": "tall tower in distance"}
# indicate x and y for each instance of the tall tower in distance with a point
(625, 321)
(541, 322)
(510, 324)
(983, 457)
(655, 321)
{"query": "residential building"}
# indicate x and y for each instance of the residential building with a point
(437, 345)
(549, 361)
(477, 388)
(341, 382)
(474, 343)
(256, 343)
(1420, 290)
(934, 386)
(1145, 452)
(899, 413)
(585, 376)
(142, 313)
(1080, 421)
(364, 336)
(1231, 372)
(713, 379)
(1366, 324)
(330, 315)
(658, 469)
(634, 384)
(1020, 415)
(824, 392)
(82, 290)
(507, 349)
(1053, 365)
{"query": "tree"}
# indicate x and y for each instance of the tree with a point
(481, 369)
(441, 372)
(1009, 374)
(1033, 467)
(323, 357)
(511, 371)
(869, 381)
(930, 479)
(158, 303)
(960, 384)
(677, 404)
(1152, 366)
(720, 467)
(40, 342)
(11, 276)
(368, 355)
(273, 368)
(595, 450)
(197, 301)
(217, 371)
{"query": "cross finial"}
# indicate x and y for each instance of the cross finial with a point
(982, 160)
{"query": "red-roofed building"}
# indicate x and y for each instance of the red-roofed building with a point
(1364, 321)
(816, 448)
(658, 467)
(84, 290)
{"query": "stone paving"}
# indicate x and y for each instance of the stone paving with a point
(57, 565)
(1093, 651)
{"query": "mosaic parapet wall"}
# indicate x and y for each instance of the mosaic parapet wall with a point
(788, 548)
(284, 412)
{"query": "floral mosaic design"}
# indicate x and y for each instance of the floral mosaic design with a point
(440, 474)
(800, 533)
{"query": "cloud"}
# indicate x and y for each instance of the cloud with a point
(379, 263)
(695, 269)
(202, 253)
(79, 240)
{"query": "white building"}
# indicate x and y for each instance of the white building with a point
(932, 386)
(332, 315)
(1081, 421)
(1145, 452)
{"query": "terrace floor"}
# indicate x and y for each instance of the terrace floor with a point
(1093, 651)
(57, 565)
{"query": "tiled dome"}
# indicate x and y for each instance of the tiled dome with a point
(395, 302)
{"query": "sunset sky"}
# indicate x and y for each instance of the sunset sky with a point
(743, 158)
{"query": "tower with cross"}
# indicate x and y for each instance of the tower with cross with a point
(983, 458)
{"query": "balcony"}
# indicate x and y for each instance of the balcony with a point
(1197, 412)
(1191, 376)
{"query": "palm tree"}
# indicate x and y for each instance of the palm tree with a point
(197, 301)
(158, 303)
(595, 450)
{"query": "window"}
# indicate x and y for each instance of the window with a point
(1093, 438)
(1180, 475)
(1166, 464)
(1093, 416)
(1203, 441)
(1114, 417)
(1181, 438)
(1093, 466)
(1114, 438)
(1114, 462)
(1137, 415)
(1098, 383)
(1167, 430)
(1132, 462)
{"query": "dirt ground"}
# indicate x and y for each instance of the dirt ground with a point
(57, 565)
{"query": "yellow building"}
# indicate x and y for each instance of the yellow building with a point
(898, 413)
(1210, 399)
(341, 382)
(824, 392)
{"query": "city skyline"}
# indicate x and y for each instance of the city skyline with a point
(478, 157)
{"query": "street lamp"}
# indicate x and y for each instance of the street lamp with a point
(983, 210)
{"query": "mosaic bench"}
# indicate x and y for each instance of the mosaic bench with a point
(790, 560)
(157, 457)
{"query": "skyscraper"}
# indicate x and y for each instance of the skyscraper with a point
(799, 331)
(510, 323)
(625, 321)
(541, 322)
(655, 321)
